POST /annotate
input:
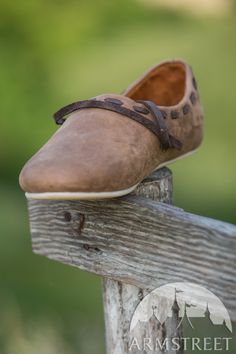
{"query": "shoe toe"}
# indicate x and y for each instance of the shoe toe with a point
(89, 154)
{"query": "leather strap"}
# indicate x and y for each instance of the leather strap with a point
(167, 140)
(160, 122)
(158, 127)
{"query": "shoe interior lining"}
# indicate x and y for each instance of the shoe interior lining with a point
(165, 85)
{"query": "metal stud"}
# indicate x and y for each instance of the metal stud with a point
(193, 98)
(186, 108)
(174, 114)
(141, 109)
(113, 100)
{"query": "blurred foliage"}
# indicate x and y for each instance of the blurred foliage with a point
(54, 52)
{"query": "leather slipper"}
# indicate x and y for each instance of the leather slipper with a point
(108, 144)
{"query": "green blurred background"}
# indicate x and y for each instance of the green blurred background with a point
(55, 52)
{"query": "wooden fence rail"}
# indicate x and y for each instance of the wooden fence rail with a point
(137, 243)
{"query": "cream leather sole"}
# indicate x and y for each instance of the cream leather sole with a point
(95, 195)
(79, 195)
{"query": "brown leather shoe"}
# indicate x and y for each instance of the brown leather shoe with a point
(110, 143)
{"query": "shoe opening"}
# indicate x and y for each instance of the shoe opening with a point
(164, 85)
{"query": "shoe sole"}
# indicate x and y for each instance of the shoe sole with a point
(95, 195)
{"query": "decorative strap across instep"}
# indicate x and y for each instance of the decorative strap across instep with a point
(158, 127)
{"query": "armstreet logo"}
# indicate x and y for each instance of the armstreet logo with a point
(158, 321)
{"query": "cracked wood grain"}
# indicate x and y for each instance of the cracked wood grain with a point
(139, 241)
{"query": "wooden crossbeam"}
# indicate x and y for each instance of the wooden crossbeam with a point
(138, 241)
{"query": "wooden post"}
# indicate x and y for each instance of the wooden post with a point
(137, 243)
(121, 299)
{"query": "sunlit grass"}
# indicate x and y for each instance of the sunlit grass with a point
(45, 334)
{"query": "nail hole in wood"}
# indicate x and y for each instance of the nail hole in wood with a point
(81, 223)
(67, 216)
(140, 295)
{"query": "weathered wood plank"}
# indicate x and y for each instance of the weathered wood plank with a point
(121, 299)
(138, 241)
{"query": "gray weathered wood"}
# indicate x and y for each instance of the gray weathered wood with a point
(121, 299)
(138, 241)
